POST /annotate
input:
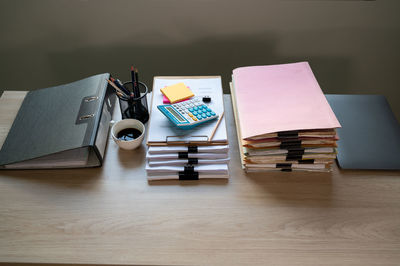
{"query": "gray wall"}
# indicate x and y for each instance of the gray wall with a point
(352, 46)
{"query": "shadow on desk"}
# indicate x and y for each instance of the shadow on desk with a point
(56, 264)
(308, 189)
(129, 159)
(188, 183)
(85, 179)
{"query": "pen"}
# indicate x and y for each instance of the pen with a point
(216, 126)
(137, 82)
(118, 90)
(119, 85)
(133, 80)
(120, 93)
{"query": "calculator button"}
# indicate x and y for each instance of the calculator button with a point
(204, 115)
(191, 109)
(208, 114)
(199, 111)
(196, 108)
(195, 112)
(194, 118)
(208, 109)
(212, 113)
(190, 114)
(199, 117)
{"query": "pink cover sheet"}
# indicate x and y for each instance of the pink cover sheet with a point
(280, 98)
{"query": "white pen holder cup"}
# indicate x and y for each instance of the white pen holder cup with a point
(124, 125)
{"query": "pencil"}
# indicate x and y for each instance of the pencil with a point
(133, 80)
(122, 96)
(137, 82)
(216, 126)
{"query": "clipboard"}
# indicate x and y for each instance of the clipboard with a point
(162, 132)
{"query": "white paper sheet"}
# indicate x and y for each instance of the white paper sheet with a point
(200, 149)
(185, 161)
(162, 130)
(201, 169)
(175, 156)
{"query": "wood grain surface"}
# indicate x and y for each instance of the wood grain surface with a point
(113, 215)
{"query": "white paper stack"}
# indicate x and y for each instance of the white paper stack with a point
(175, 153)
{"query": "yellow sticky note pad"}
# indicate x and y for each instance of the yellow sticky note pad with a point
(177, 92)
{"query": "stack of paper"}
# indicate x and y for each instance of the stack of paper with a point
(283, 119)
(175, 153)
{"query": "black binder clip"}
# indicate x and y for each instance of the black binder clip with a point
(294, 157)
(288, 134)
(295, 154)
(188, 173)
(306, 161)
(290, 144)
(183, 155)
(192, 149)
(193, 161)
(206, 99)
(285, 167)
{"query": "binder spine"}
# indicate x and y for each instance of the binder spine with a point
(106, 100)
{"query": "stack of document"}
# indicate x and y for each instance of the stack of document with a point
(283, 119)
(175, 153)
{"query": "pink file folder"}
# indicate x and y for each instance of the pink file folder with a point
(280, 98)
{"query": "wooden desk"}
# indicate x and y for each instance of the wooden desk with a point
(112, 215)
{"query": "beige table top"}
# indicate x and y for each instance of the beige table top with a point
(112, 215)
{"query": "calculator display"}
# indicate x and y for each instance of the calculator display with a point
(173, 112)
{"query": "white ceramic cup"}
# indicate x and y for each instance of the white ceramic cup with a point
(128, 123)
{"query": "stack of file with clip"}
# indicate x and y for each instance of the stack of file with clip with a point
(283, 119)
(187, 154)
